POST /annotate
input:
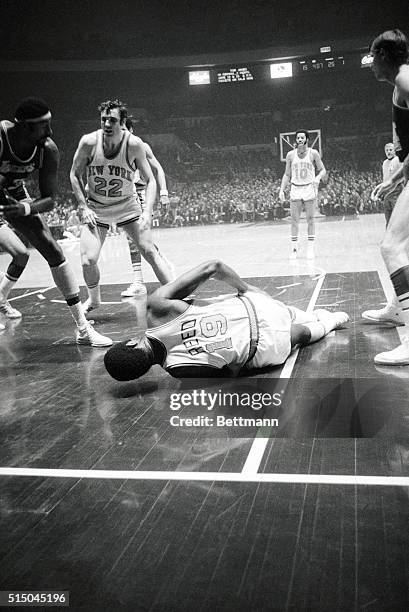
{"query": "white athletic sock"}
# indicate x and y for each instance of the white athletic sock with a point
(137, 276)
(95, 294)
(6, 285)
(78, 315)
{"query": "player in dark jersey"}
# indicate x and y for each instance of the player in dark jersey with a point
(219, 336)
(390, 52)
(26, 146)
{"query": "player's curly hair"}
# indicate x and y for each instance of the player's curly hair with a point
(395, 45)
(124, 362)
(108, 105)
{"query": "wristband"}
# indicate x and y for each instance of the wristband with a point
(27, 209)
(163, 192)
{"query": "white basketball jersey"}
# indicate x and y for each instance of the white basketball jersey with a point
(389, 167)
(110, 178)
(215, 334)
(302, 170)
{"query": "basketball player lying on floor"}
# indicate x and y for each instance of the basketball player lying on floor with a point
(219, 336)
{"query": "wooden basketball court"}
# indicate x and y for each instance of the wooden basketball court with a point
(102, 496)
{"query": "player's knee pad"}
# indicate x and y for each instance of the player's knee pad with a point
(16, 269)
(400, 281)
(20, 259)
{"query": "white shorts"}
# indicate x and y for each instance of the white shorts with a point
(274, 322)
(120, 213)
(303, 192)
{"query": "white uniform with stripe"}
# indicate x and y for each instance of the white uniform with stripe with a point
(302, 176)
(218, 333)
(110, 184)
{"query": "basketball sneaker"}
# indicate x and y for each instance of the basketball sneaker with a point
(88, 306)
(388, 314)
(134, 290)
(331, 320)
(398, 356)
(8, 311)
(88, 335)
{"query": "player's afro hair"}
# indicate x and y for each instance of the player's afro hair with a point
(31, 108)
(306, 132)
(125, 362)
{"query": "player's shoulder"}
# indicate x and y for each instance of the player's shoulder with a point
(6, 124)
(147, 147)
(290, 155)
(90, 139)
(135, 143)
(402, 81)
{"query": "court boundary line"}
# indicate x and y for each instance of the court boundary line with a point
(36, 292)
(258, 447)
(319, 479)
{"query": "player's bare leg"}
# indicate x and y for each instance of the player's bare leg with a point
(394, 253)
(310, 206)
(14, 246)
(295, 211)
(143, 239)
(91, 241)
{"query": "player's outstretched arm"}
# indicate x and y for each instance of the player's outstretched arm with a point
(189, 281)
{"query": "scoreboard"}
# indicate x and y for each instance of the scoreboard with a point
(280, 69)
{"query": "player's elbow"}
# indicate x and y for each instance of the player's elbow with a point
(213, 267)
(73, 177)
